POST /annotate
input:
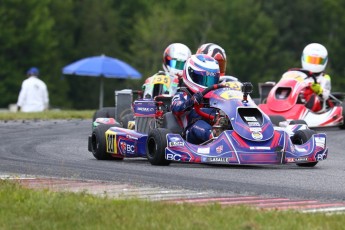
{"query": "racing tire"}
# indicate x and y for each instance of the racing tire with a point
(98, 143)
(275, 119)
(301, 137)
(342, 126)
(155, 147)
(298, 122)
(106, 112)
(125, 119)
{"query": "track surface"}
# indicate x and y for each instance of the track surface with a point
(59, 149)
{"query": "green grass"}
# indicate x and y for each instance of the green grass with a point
(50, 114)
(22, 208)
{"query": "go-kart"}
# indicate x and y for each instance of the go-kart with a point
(293, 99)
(243, 135)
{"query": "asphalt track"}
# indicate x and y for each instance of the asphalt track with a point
(59, 149)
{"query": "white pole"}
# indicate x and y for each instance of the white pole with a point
(101, 93)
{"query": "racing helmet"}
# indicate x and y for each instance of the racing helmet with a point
(216, 52)
(200, 72)
(175, 57)
(314, 58)
(158, 84)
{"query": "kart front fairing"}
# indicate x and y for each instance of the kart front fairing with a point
(245, 117)
(252, 139)
(230, 148)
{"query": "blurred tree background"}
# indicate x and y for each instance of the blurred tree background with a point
(262, 39)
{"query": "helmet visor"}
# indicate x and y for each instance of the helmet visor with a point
(204, 78)
(175, 64)
(314, 60)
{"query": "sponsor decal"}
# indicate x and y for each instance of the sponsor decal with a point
(259, 147)
(300, 149)
(131, 137)
(257, 135)
(126, 147)
(252, 123)
(250, 118)
(298, 159)
(217, 159)
(321, 156)
(219, 149)
(176, 144)
(173, 157)
(320, 142)
(145, 109)
(203, 150)
(255, 129)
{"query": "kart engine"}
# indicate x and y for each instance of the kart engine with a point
(221, 124)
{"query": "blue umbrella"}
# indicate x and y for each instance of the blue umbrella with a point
(102, 67)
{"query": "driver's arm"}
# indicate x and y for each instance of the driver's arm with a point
(181, 102)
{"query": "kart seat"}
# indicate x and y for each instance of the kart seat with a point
(170, 122)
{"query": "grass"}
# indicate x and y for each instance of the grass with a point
(22, 208)
(50, 114)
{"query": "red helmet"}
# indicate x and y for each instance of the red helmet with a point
(200, 72)
(216, 52)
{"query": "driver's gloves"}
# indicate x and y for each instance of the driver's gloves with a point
(316, 87)
(197, 97)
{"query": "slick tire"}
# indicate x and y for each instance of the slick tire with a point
(155, 147)
(98, 143)
(298, 122)
(275, 119)
(106, 112)
(301, 137)
(126, 119)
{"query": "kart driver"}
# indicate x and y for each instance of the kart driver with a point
(200, 72)
(219, 54)
(314, 59)
(174, 59)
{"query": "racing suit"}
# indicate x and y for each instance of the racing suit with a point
(322, 88)
(196, 129)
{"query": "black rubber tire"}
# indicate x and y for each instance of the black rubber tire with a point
(155, 147)
(301, 137)
(298, 122)
(106, 112)
(343, 125)
(125, 119)
(98, 143)
(275, 119)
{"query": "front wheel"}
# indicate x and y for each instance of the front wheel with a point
(301, 137)
(155, 146)
(98, 142)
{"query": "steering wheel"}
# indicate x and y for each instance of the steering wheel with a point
(308, 73)
(198, 107)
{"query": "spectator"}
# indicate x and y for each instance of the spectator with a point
(33, 96)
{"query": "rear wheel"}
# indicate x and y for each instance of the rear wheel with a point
(155, 146)
(126, 119)
(106, 112)
(301, 137)
(98, 142)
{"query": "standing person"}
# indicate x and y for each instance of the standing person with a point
(200, 72)
(33, 96)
